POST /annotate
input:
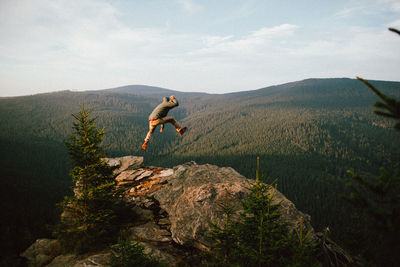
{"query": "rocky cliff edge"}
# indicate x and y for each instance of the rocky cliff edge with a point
(174, 208)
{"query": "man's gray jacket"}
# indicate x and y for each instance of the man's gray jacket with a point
(162, 109)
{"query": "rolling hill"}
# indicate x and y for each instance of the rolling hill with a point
(307, 134)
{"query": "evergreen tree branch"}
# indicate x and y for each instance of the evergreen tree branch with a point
(394, 30)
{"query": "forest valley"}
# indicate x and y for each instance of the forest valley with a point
(307, 134)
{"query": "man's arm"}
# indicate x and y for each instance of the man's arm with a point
(172, 101)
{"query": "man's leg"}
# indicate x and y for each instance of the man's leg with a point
(152, 127)
(172, 121)
(177, 126)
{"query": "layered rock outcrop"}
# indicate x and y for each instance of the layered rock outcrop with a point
(175, 207)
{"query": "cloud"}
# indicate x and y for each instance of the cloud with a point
(61, 44)
(35, 29)
(365, 52)
(254, 41)
(283, 29)
(210, 41)
(239, 11)
(189, 5)
(394, 24)
(274, 55)
(392, 5)
(89, 36)
(348, 11)
(369, 8)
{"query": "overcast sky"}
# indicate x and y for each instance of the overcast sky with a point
(193, 45)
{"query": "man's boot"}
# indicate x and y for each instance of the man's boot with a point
(145, 145)
(182, 131)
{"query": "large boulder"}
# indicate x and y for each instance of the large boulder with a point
(174, 207)
(186, 198)
(194, 196)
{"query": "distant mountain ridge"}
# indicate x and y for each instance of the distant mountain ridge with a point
(331, 86)
(314, 83)
(148, 91)
(140, 89)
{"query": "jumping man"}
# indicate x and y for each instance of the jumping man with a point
(159, 116)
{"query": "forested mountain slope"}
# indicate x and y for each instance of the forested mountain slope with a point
(331, 118)
(307, 133)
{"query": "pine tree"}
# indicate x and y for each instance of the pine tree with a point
(377, 203)
(389, 107)
(259, 237)
(377, 200)
(93, 214)
(263, 237)
(225, 250)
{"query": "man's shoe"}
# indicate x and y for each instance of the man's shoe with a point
(182, 131)
(145, 145)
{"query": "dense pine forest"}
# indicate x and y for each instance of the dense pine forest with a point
(307, 134)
